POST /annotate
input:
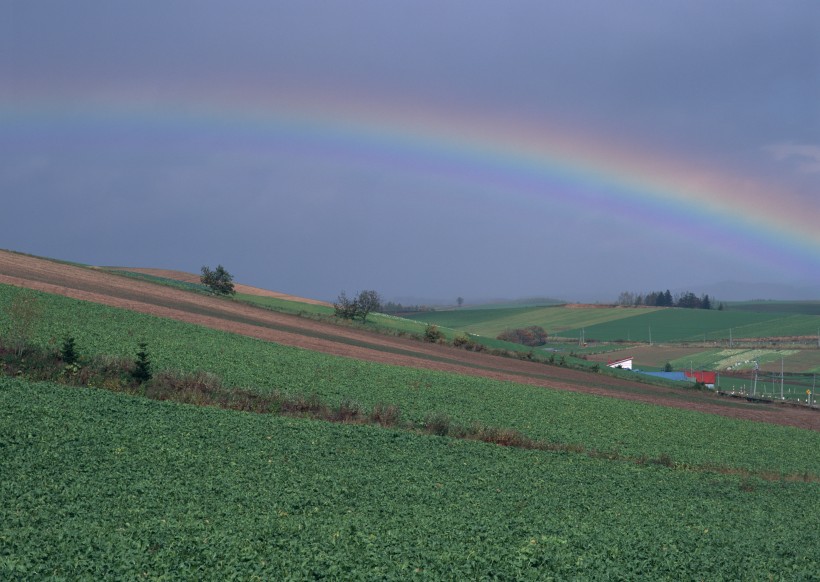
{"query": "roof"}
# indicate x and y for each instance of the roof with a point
(621, 361)
(701, 376)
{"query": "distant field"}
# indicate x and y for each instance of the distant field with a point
(556, 320)
(631, 324)
(676, 325)
(799, 307)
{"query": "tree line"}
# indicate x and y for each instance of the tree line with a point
(686, 300)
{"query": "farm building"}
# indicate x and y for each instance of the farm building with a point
(625, 363)
(707, 378)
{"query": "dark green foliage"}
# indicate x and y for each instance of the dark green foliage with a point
(532, 336)
(365, 303)
(432, 333)
(142, 365)
(219, 281)
(687, 300)
(667, 367)
(68, 352)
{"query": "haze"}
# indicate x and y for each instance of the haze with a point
(313, 147)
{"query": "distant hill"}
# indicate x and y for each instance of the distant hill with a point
(740, 291)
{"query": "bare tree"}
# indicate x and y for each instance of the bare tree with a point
(24, 315)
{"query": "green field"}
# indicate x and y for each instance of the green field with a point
(96, 484)
(100, 485)
(555, 319)
(633, 324)
(552, 415)
(796, 307)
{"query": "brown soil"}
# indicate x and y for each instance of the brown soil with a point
(240, 288)
(98, 286)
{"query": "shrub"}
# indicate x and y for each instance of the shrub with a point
(219, 281)
(437, 424)
(433, 334)
(68, 353)
(142, 365)
(532, 336)
(385, 414)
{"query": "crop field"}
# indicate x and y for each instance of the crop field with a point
(675, 325)
(101, 485)
(803, 307)
(556, 319)
(633, 324)
(596, 423)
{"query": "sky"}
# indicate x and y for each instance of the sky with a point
(425, 149)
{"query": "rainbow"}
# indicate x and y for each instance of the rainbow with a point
(532, 165)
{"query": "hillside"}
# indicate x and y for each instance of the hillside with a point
(98, 286)
(399, 476)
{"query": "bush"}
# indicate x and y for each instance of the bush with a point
(433, 334)
(365, 303)
(532, 336)
(219, 281)
(68, 353)
(142, 365)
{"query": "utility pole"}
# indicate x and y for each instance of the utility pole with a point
(754, 386)
(781, 378)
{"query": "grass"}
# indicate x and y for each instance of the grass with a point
(556, 319)
(598, 423)
(633, 324)
(103, 485)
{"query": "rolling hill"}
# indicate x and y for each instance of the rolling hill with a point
(623, 479)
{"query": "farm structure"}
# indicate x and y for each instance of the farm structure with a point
(623, 363)
(707, 378)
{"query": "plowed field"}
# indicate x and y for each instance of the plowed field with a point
(94, 285)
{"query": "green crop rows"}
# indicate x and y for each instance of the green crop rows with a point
(96, 485)
(612, 324)
(605, 424)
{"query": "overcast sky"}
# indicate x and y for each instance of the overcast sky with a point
(425, 149)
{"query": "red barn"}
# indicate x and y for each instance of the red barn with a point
(707, 378)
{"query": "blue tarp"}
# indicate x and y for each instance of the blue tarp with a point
(681, 376)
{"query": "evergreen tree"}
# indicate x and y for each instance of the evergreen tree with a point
(68, 353)
(142, 365)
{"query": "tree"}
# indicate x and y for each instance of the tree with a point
(142, 365)
(367, 302)
(68, 352)
(626, 298)
(345, 307)
(460, 301)
(24, 315)
(432, 333)
(219, 281)
(533, 335)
